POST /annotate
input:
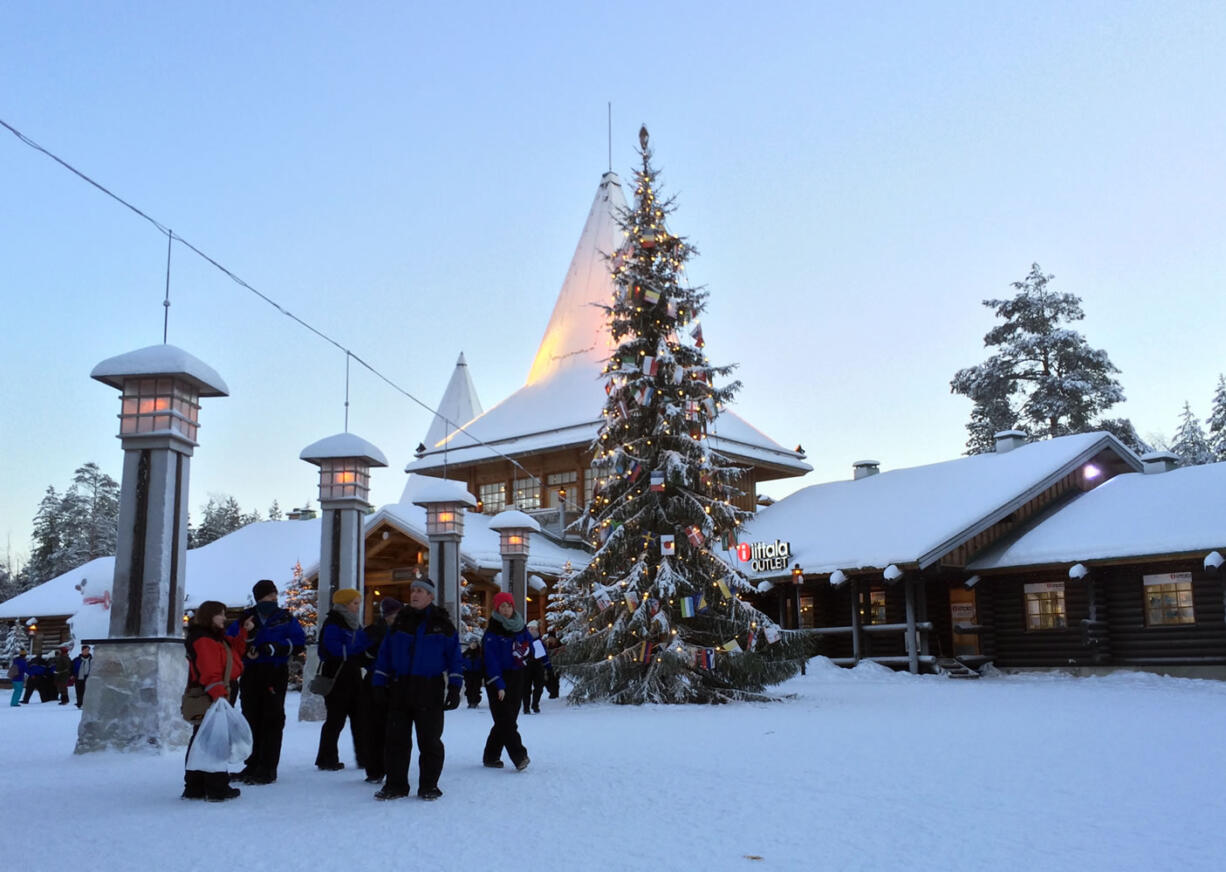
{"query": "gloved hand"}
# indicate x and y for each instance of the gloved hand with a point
(378, 695)
(453, 697)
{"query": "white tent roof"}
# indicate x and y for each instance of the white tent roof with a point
(1134, 515)
(915, 515)
(560, 403)
(458, 406)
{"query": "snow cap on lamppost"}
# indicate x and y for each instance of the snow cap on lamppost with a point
(161, 389)
(444, 501)
(513, 527)
(344, 462)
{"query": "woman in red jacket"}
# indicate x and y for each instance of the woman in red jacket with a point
(208, 648)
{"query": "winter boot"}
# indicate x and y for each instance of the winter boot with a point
(193, 785)
(217, 787)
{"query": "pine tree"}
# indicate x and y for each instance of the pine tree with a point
(1217, 421)
(1190, 442)
(565, 603)
(274, 512)
(472, 622)
(300, 601)
(660, 622)
(221, 516)
(1045, 377)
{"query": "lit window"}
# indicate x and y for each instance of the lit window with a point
(589, 482)
(1168, 599)
(493, 497)
(1045, 606)
(526, 493)
(556, 481)
(876, 607)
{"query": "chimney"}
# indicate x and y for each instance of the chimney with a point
(864, 468)
(1007, 440)
(1159, 461)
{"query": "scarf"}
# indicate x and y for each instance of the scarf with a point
(350, 619)
(512, 625)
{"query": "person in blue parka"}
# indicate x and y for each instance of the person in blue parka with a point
(418, 674)
(277, 637)
(506, 647)
(342, 649)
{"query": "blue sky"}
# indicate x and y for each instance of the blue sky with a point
(413, 180)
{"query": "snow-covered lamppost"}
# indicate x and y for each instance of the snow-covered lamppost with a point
(445, 503)
(139, 671)
(344, 462)
(513, 528)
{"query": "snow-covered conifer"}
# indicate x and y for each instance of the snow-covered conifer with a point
(300, 601)
(1217, 421)
(1190, 442)
(1045, 377)
(658, 615)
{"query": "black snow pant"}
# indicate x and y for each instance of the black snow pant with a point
(198, 784)
(505, 711)
(80, 685)
(262, 692)
(404, 713)
(534, 684)
(472, 687)
(374, 728)
(552, 683)
(343, 701)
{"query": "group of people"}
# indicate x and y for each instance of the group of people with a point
(391, 680)
(51, 678)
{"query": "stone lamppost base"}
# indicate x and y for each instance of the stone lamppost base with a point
(311, 705)
(132, 702)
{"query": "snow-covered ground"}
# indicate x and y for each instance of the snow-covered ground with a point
(862, 769)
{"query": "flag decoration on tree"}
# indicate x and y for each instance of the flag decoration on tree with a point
(663, 601)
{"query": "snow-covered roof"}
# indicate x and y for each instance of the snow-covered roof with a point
(161, 360)
(560, 404)
(458, 406)
(224, 569)
(479, 548)
(1132, 515)
(915, 515)
(343, 445)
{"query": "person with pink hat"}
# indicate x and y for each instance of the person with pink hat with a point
(505, 647)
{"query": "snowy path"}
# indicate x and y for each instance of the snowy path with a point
(864, 769)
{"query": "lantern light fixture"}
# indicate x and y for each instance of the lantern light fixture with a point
(344, 462)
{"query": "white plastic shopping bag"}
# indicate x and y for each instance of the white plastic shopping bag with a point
(224, 739)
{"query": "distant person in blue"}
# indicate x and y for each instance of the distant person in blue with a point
(506, 644)
(536, 670)
(81, 665)
(35, 675)
(342, 650)
(17, 674)
(277, 637)
(418, 673)
(474, 673)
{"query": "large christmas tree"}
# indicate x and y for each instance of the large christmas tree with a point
(658, 615)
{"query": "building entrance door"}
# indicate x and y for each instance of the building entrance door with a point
(962, 613)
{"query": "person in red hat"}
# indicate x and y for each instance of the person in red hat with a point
(505, 648)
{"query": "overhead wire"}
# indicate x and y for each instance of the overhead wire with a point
(238, 280)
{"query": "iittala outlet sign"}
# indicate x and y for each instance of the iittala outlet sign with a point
(765, 556)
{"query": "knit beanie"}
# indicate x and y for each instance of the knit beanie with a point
(425, 584)
(503, 597)
(345, 596)
(389, 604)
